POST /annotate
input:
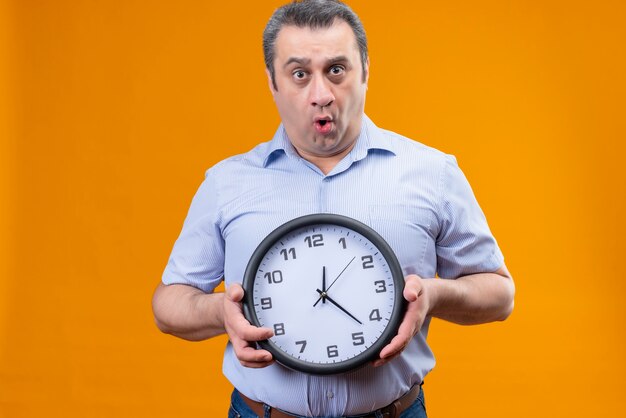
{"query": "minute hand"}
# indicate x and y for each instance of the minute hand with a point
(338, 305)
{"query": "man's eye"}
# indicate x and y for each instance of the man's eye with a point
(336, 70)
(299, 75)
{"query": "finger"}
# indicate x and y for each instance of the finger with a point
(412, 287)
(249, 353)
(392, 350)
(256, 365)
(379, 362)
(235, 292)
(242, 334)
(239, 327)
(410, 323)
(236, 323)
(395, 346)
(248, 332)
(249, 356)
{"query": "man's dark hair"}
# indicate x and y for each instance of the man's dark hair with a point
(312, 14)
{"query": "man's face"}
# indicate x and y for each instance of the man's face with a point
(320, 92)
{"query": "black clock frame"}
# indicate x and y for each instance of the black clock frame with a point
(396, 272)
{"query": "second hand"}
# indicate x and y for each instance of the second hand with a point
(344, 269)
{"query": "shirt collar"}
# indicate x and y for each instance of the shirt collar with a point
(279, 144)
(370, 138)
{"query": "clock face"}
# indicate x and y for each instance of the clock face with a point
(331, 289)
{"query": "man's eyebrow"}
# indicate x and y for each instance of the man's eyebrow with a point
(307, 61)
(338, 58)
(297, 60)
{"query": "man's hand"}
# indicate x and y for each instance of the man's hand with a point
(468, 300)
(242, 334)
(418, 297)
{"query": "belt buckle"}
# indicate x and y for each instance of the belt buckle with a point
(389, 411)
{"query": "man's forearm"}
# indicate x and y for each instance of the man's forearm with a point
(473, 299)
(187, 312)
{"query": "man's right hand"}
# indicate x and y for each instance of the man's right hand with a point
(242, 334)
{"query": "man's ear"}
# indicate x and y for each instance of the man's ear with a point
(270, 82)
(366, 69)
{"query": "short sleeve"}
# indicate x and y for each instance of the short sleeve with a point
(465, 244)
(197, 258)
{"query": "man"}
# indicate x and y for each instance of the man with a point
(327, 156)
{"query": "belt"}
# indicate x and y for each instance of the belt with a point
(393, 410)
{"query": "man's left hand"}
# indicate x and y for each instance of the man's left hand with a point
(418, 296)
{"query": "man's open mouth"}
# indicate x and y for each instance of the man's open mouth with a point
(323, 126)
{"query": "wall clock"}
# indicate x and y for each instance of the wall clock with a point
(331, 289)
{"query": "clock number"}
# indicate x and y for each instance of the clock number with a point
(357, 338)
(332, 351)
(266, 303)
(381, 286)
(375, 315)
(368, 261)
(303, 344)
(342, 241)
(316, 240)
(288, 252)
(275, 276)
(279, 329)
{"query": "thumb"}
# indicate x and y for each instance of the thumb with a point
(412, 287)
(234, 292)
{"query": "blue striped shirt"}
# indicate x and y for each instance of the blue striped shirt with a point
(416, 197)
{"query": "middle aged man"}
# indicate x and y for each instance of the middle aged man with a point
(327, 156)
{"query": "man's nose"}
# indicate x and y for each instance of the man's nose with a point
(321, 94)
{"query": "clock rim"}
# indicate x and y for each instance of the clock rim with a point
(375, 238)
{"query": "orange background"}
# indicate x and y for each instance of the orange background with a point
(110, 112)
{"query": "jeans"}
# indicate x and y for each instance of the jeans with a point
(239, 409)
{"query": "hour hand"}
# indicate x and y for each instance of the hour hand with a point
(323, 295)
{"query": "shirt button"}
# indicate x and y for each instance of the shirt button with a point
(329, 394)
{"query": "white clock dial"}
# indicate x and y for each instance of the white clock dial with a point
(330, 288)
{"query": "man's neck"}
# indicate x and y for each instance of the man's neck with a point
(326, 163)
